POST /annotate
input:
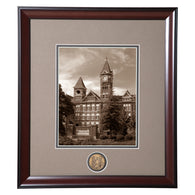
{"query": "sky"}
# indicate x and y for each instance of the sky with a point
(87, 62)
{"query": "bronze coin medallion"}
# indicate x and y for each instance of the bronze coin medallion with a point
(97, 162)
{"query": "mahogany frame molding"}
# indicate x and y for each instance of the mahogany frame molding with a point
(25, 14)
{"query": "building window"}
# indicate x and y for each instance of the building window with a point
(77, 108)
(97, 106)
(77, 116)
(97, 116)
(84, 107)
(83, 116)
(81, 108)
(93, 107)
(88, 107)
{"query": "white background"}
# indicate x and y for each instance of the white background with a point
(186, 94)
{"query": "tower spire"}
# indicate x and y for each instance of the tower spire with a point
(106, 68)
(79, 90)
(80, 84)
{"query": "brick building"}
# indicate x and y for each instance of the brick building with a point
(88, 106)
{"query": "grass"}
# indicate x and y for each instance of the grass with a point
(63, 140)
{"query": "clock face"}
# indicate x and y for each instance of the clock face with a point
(105, 78)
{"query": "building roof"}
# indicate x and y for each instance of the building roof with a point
(106, 68)
(91, 93)
(127, 93)
(117, 97)
(80, 84)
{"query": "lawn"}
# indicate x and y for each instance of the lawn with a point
(63, 140)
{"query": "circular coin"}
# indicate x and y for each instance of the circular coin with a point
(97, 162)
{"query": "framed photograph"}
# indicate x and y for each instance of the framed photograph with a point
(105, 114)
(97, 101)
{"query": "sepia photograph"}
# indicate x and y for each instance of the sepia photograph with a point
(97, 95)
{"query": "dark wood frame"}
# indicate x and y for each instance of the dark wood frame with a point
(25, 14)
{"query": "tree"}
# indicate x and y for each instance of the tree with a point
(66, 109)
(114, 117)
(132, 123)
(124, 121)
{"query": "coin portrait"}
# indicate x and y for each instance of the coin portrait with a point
(97, 162)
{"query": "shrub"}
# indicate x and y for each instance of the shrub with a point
(113, 137)
(103, 137)
(85, 142)
(119, 137)
(63, 140)
(128, 137)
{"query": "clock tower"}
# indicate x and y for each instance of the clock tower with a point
(106, 82)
